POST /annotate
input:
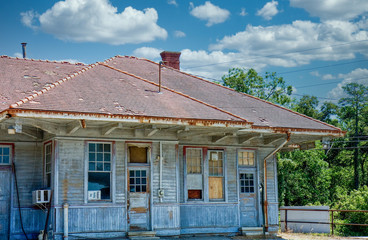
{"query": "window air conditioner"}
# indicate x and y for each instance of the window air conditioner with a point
(94, 195)
(41, 196)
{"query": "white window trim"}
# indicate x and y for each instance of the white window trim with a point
(10, 154)
(112, 173)
(45, 164)
(205, 175)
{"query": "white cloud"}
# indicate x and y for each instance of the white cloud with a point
(243, 12)
(315, 73)
(172, 2)
(358, 75)
(210, 13)
(179, 34)
(18, 55)
(269, 10)
(97, 21)
(333, 9)
(147, 52)
(328, 77)
(298, 43)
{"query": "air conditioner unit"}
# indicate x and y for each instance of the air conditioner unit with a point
(94, 195)
(41, 196)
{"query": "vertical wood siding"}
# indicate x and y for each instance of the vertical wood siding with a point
(120, 172)
(166, 216)
(93, 219)
(71, 171)
(232, 177)
(209, 215)
(168, 173)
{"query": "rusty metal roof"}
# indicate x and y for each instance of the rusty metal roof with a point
(128, 87)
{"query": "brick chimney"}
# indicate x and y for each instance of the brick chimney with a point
(171, 59)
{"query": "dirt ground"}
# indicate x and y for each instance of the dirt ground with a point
(301, 236)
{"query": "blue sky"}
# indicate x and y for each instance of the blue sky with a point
(316, 45)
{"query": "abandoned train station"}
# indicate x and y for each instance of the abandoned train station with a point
(131, 147)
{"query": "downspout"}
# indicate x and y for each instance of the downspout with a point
(160, 190)
(265, 226)
(66, 221)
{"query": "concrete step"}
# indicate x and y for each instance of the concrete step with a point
(252, 229)
(142, 235)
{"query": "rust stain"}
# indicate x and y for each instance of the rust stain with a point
(139, 210)
(65, 189)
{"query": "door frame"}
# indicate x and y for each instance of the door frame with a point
(250, 169)
(149, 169)
(12, 183)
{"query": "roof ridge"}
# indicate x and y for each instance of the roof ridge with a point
(180, 93)
(45, 61)
(248, 95)
(51, 86)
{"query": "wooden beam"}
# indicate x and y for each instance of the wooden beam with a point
(270, 140)
(152, 132)
(45, 126)
(73, 127)
(216, 139)
(106, 130)
(32, 133)
(246, 138)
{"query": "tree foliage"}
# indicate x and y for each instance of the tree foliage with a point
(270, 87)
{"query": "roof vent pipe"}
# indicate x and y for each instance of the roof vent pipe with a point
(24, 49)
(171, 59)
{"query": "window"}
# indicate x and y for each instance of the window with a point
(4, 155)
(246, 183)
(246, 158)
(198, 169)
(47, 162)
(137, 180)
(216, 175)
(194, 173)
(99, 171)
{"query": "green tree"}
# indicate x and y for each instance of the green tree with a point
(352, 108)
(307, 105)
(270, 87)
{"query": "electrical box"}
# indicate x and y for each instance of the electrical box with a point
(41, 196)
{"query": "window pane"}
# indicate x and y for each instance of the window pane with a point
(92, 147)
(107, 157)
(138, 181)
(107, 148)
(99, 166)
(99, 147)
(99, 181)
(246, 158)
(194, 160)
(6, 151)
(92, 157)
(6, 159)
(107, 167)
(99, 157)
(215, 163)
(92, 166)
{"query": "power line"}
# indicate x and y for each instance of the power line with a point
(275, 55)
(321, 84)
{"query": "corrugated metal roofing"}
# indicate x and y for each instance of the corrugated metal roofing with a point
(127, 86)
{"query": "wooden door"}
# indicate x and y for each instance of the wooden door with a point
(138, 199)
(248, 198)
(4, 202)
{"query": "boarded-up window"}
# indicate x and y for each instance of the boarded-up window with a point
(138, 154)
(194, 163)
(47, 167)
(216, 175)
(246, 158)
(99, 171)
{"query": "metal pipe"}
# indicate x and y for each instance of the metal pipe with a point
(159, 76)
(66, 220)
(24, 49)
(265, 178)
(160, 184)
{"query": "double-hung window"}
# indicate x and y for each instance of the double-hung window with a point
(47, 164)
(99, 171)
(5, 155)
(204, 174)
